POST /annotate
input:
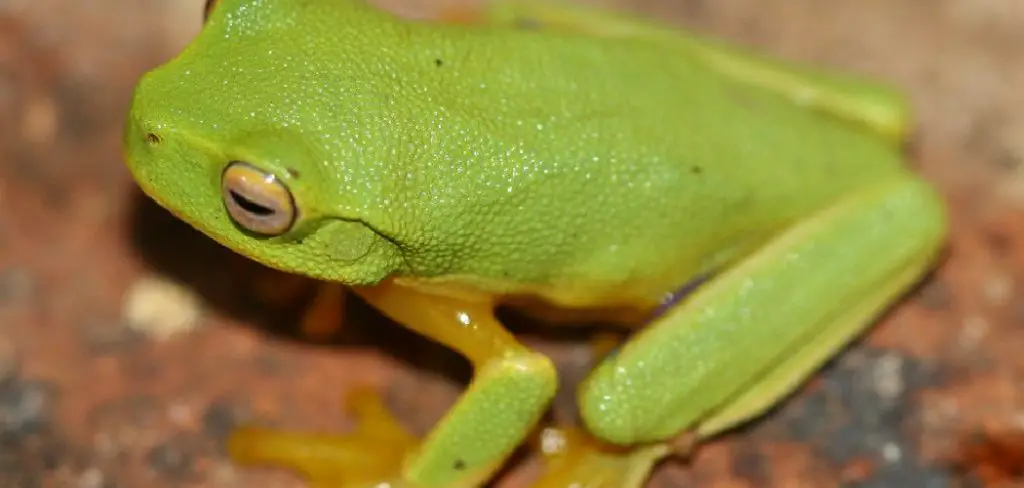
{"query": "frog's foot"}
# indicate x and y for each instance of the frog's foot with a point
(574, 459)
(370, 456)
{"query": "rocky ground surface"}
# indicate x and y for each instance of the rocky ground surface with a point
(129, 344)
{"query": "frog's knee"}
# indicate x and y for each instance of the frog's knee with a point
(609, 420)
(529, 379)
(619, 416)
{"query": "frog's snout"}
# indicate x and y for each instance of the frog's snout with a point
(138, 136)
(146, 109)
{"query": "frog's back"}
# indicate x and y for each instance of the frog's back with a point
(600, 168)
(603, 165)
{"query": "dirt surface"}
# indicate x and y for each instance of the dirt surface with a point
(130, 345)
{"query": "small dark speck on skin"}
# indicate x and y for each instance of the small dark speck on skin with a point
(459, 465)
(696, 170)
(173, 459)
(438, 62)
(294, 173)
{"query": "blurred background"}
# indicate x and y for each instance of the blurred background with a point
(130, 345)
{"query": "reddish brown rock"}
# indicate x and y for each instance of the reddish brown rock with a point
(89, 398)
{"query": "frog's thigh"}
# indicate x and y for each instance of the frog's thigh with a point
(755, 332)
(511, 388)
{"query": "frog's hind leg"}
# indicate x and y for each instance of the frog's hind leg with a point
(870, 106)
(754, 333)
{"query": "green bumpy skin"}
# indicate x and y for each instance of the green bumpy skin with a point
(598, 163)
(443, 151)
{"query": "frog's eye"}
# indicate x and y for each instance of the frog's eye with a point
(210, 4)
(256, 200)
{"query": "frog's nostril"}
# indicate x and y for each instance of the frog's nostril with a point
(153, 139)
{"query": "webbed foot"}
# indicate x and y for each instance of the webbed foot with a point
(370, 456)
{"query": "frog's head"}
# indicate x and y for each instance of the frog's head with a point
(250, 137)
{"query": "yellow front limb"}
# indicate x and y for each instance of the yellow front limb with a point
(511, 389)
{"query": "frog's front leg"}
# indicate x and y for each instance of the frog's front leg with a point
(754, 333)
(511, 389)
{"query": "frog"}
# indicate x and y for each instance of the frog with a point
(742, 218)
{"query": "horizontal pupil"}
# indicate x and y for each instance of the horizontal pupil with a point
(251, 206)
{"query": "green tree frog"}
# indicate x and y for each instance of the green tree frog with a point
(550, 157)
